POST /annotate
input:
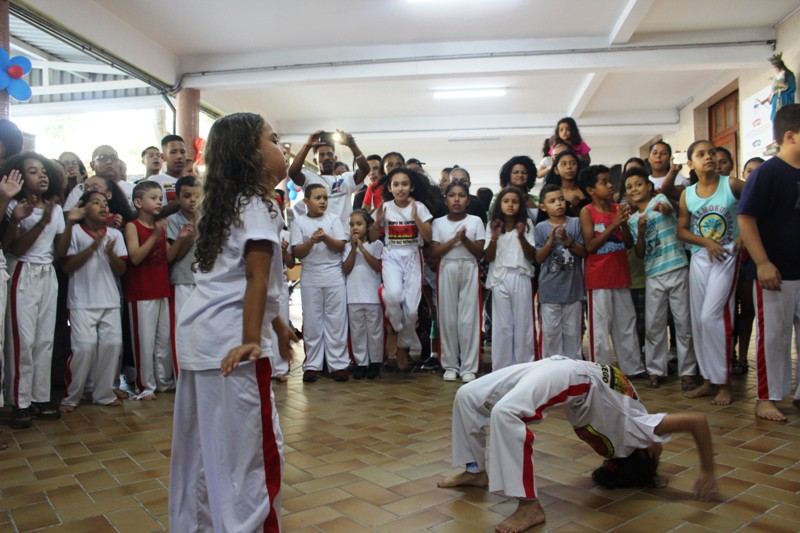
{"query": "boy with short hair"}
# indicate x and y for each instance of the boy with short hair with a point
(560, 252)
(606, 237)
(173, 153)
(769, 222)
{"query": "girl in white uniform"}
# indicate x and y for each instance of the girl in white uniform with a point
(598, 401)
(510, 254)
(362, 266)
(407, 223)
(32, 243)
(707, 221)
(227, 453)
(95, 260)
(458, 240)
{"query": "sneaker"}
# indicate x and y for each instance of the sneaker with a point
(450, 375)
(466, 378)
(340, 375)
(310, 376)
(44, 411)
(431, 363)
(21, 419)
(359, 372)
(373, 370)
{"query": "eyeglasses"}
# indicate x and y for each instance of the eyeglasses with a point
(106, 157)
(70, 162)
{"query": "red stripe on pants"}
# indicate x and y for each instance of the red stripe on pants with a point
(761, 361)
(134, 307)
(272, 455)
(15, 328)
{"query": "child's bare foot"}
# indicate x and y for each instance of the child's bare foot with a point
(66, 408)
(115, 403)
(282, 378)
(724, 396)
(402, 358)
(766, 409)
(147, 397)
(121, 394)
(465, 479)
(528, 514)
(706, 389)
(391, 342)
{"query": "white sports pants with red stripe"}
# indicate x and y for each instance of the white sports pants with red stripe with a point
(279, 365)
(152, 346)
(459, 305)
(776, 313)
(513, 322)
(227, 452)
(3, 299)
(401, 294)
(366, 333)
(712, 284)
(179, 295)
(96, 336)
(561, 329)
(612, 317)
(30, 325)
(325, 327)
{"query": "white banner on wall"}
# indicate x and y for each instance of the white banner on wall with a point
(756, 132)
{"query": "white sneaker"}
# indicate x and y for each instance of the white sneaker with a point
(451, 375)
(466, 378)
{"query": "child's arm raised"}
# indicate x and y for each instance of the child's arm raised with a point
(527, 248)
(438, 249)
(9, 187)
(257, 261)
(350, 261)
(715, 250)
(705, 486)
(423, 225)
(116, 263)
(74, 262)
(138, 251)
(592, 242)
(304, 248)
(334, 244)
(372, 261)
(544, 252)
(61, 242)
(495, 229)
(177, 249)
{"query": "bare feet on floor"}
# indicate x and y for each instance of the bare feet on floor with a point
(402, 358)
(115, 403)
(66, 408)
(121, 394)
(766, 409)
(706, 389)
(724, 396)
(528, 514)
(465, 479)
(391, 342)
(148, 398)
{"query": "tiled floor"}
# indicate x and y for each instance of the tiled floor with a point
(365, 456)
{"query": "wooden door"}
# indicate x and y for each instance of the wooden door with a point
(723, 123)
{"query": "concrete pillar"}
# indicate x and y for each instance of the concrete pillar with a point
(4, 42)
(188, 111)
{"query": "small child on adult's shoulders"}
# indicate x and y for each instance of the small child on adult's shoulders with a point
(560, 252)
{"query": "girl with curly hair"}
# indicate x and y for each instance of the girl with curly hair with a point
(227, 458)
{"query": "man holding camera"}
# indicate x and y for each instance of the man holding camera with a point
(340, 188)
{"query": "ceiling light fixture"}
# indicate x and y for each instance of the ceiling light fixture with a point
(470, 93)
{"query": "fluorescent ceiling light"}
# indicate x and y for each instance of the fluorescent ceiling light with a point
(470, 93)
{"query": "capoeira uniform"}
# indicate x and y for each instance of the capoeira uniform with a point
(323, 295)
(510, 279)
(181, 277)
(31, 312)
(95, 319)
(280, 366)
(666, 287)
(560, 292)
(771, 197)
(146, 288)
(167, 183)
(459, 296)
(225, 472)
(712, 283)
(364, 307)
(611, 312)
(340, 193)
(598, 400)
(401, 267)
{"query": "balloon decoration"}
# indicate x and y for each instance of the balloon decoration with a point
(11, 72)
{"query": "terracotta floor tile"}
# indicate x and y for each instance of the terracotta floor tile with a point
(414, 522)
(309, 517)
(31, 517)
(343, 525)
(133, 521)
(363, 512)
(96, 524)
(66, 497)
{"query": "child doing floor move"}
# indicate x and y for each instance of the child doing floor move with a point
(655, 232)
(227, 455)
(458, 240)
(560, 251)
(707, 221)
(604, 410)
(362, 266)
(318, 240)
(406, 219)
(510, 254)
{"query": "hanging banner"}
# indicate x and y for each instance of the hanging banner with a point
(756, 132)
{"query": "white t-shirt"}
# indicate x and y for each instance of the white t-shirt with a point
(94, 285)
(41, 252)
(322, 267)
(340, 190)
(363, 282)
(444, 229)
(401, 228)
(508, 255)
(167, 183)
(679, 180)
(127, 188)
(210, 323)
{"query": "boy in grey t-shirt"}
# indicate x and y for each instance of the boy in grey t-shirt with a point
(560, 252)
(181, 277)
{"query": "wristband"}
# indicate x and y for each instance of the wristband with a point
(359, 156)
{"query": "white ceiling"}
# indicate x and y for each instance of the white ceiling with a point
(622, 68)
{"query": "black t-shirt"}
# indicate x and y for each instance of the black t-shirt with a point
(772, 196)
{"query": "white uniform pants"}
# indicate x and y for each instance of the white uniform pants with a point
(513, 322)
(366, 333)
(96, 336)
(279, 365)
(776, 313)
(662, 293)
(179, 295)
(459, 305)
(29, 329)
(152, 347)
(612, 317)
(401, 294)
(3, 299)
(712, 285)
(227, 452)
(325, 327)
(561, 329)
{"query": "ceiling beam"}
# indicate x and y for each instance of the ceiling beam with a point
(591, 82)
(629, 20)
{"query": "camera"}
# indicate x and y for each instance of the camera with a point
(329, 138)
